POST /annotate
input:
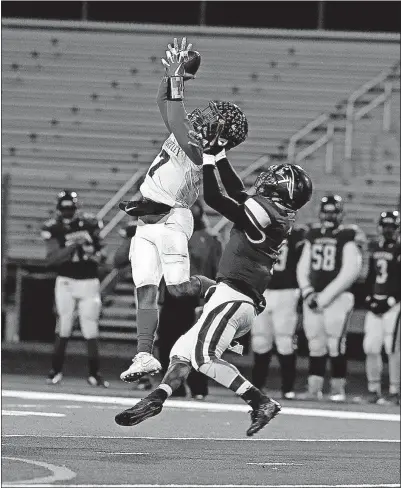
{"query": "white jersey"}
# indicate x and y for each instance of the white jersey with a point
(172, 179)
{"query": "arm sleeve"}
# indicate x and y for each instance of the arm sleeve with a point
(226, 206)
(303, 270)
(162, 101)
(349, 272)
(121, 257)
(370, 278)
(180, 126)
(231, 181)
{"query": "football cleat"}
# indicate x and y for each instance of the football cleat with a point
(394, 398)
(288, 395)
(142, 364)
(97, 380)
(54, 378)
(262, 415)
(338, 397)
(310, 396)
(147, 407)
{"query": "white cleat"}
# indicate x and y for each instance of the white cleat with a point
(338, 397)
(142, 364)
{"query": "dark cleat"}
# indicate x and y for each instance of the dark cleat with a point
(261, 416)
(147, 407)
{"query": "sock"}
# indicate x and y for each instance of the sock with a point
(147, 321)
(374, 368)
(252, 396)
(260, 369)
(60, 346)
(394, 372)
(287, 366)
(177, 373)
(161, 393)
(338, 366)
(93, 357)
(317, 365)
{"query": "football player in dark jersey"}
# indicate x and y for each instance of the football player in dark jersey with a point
(277, 323)
(330, 263)
(262, 220)
(74, 250)
(382, 321)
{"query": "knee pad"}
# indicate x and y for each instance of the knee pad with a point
(284, 344)
(371, 346)
(336, 346)
(317, 346)
(261, 344)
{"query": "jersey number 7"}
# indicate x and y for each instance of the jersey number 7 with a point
(164, 158)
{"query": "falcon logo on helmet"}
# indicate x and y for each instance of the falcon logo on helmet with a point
(222, 120)
(285, 184)
(389, 224)
(331, 211)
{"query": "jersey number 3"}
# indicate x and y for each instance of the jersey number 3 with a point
(164, 158)
(323, 257)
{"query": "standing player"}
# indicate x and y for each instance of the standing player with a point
(330, 263)
(261, 222)
(277, 323)
(171, 186)
(382, 321)
(74, 249)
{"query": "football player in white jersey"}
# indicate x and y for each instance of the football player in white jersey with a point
(171, 186)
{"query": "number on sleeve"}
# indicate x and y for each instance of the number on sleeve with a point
(281, 262)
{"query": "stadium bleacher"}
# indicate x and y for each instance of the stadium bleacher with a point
(82, 117)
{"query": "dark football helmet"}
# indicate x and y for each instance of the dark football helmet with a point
(223, 121)
(389, 224)
(331, 211)
(286, 184)
(67, 204)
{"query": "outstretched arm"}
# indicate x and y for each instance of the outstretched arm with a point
(162, 101)
(232, 182)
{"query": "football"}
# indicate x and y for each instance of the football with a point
(192, 65)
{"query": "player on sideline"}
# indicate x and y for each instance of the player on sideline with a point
(330, 263)
(382, 321)
(261, 220)
(171, 186)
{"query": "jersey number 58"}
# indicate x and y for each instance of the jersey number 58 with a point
(323, 257)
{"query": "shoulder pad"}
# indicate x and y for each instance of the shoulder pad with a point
(47, 229)
(257, 211)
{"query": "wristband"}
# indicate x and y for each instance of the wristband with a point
(209, 159)
(175, 88)
(308, 290)
(221, 155)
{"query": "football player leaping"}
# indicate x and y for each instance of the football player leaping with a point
(171, 186)
(382, 322)
(262, 220)
(330, 263)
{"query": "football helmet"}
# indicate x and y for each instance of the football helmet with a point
(67, 203)
(389, 224)
(286, 184)
(331, 211)
(223, 121)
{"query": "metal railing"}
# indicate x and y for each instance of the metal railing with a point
(244, 174)
(353, 115)
(326, 139)
(113, 202)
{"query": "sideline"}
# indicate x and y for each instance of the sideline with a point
(60, 473)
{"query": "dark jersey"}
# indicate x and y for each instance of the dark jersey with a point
(285, 269)
(247, 262)
(327, 251)
(385, 268)
(79, 266)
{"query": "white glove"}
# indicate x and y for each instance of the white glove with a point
(176, 57)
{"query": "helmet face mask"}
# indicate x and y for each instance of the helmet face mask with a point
(223, 122)
(331, 211)
(67, 204)
(389, 224)
(286, 184)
